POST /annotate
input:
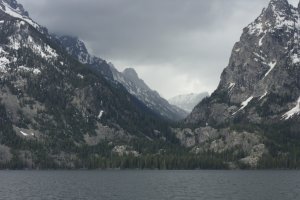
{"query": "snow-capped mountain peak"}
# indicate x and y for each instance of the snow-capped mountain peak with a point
(261, 81)
(187, 102)
(15, 6)
(15, 10)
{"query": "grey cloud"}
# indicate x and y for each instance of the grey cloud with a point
(176, 46)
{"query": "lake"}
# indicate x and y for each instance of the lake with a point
(150, 185)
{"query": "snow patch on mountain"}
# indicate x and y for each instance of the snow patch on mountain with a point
(3, 64)
(16, 13)
(231, 86)
(44, 51)
(244, 104)
(15, 42)
(295, 58)
(259, 56)
(271, 65)
(80, 76)
(260, 43)
(263, 96)
(23, 133)
(100, 114)
(255, 28)
(35, 71)
(294, 111)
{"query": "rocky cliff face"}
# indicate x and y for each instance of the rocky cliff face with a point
(77, 49)
(258, 93)
(262, 81)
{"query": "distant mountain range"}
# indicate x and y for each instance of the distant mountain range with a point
(129, 79)
(188, 102)
(61, 107)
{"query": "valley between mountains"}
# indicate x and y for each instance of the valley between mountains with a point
(63, 108)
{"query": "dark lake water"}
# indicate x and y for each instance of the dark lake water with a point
(150, 185)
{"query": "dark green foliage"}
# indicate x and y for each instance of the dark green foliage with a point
(166, 162)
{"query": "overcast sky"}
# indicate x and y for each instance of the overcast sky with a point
(176, 46)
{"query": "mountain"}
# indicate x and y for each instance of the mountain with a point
(129, 79)
(254, 112)
(187, 102)
(77, 49)
(58, 112)
(16, 10)
(60, 107)
(260, 83)
(137, 87)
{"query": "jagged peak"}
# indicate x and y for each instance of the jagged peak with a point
(132, 75)
(280, 5)
(70, 41)
(279, 2)
(279, 14)
(15, 6)
(15, 10)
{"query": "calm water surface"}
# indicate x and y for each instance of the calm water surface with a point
(150, 185)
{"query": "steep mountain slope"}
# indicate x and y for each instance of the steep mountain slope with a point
(188, 102)
(137, 87)
(78, 50)
(258, 93)
(129, 79)
(54, 110)
(261, 82)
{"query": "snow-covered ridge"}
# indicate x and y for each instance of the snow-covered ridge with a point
(284, 15)
(294, 111)
(16, 13)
